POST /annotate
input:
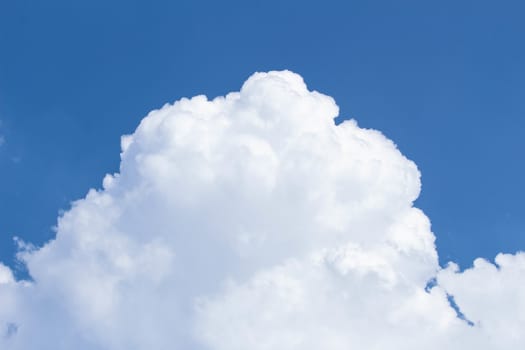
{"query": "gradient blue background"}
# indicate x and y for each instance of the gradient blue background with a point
(444, 79)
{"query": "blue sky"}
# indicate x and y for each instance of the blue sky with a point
(444, 80)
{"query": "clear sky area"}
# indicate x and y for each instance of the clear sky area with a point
(445, 80)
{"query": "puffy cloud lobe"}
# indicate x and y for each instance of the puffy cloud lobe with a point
(492, 296)
(252, 221)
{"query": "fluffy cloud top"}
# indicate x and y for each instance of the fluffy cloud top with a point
(252, 221)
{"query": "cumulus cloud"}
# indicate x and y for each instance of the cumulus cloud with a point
(252, 221)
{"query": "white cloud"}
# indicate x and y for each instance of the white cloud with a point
(252, 221)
